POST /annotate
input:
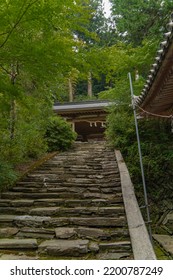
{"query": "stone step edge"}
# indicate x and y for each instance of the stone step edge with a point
(80, 246)
(61, 211)
(25, 243)
(65, 233)
(34, 166)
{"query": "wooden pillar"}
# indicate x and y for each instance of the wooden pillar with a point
(73, 126)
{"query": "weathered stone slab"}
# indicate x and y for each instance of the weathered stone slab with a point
(93, 247)
(77, 202)
(77, 211)
(37, 230)
(7, 218)
(119, 246)
(18, 243)
(64, 247)
(98, 195)
(111, 211)
(8, 232)
(30, 190)
(113, 256)
(57, 222)
(44, 211)
(30, 221)
(49, 202)
(108, 190)
(22, 202)
(40, 233)
(14, 210)
(98, 221)
(4, 202)
(65, 232)
(93, 189)
(166, 241)
(168, 221)
(91, 233)
(14, 195)
(17, 257)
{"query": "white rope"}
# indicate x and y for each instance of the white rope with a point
(155, 115)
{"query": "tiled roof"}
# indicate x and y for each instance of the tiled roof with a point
(157, 95)
(80, 106)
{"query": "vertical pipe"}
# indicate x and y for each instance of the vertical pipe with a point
(140, 157)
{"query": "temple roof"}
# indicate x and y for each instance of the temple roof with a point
(84, 106)
(157, 96)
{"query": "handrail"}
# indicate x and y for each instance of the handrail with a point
(141, 244)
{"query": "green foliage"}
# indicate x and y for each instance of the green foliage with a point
(30, 125)
(122, 59)
(7, 175)
(59, 135)
(157, 150)
(141, 19)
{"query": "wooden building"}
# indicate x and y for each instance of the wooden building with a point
(87, 118)
(156, 99)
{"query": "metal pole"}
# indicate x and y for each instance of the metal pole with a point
(140, 157)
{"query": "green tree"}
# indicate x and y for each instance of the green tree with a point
(122, 58)
(36, 54)
(137, 20)
(92, 51)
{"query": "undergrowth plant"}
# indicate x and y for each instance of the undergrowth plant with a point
(157, 151)
(7, 175)
(59, 134)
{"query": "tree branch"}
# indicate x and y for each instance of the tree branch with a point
(17, 22)
(3, 68)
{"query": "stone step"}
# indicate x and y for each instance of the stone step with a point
(90, 233)
(71, 206)
(118, 246)
(39, 233)
(79, 247)
(51, 202)
(48, 222)
(61, 211)
(37, 195)
(72, 233)
(99, 221)
(77, 203)
(8, 232)
(18, 255)
(77, 211)
(64, 247)
(80, 180)
(73, 190)
(8, 244)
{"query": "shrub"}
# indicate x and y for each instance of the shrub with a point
(7, 175)
(59, 134)
(157, 151)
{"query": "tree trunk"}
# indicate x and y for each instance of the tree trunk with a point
(12, 119)
(14, 73)
(89, 85)
(70, 90)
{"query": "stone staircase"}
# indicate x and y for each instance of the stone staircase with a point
(71, 207)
